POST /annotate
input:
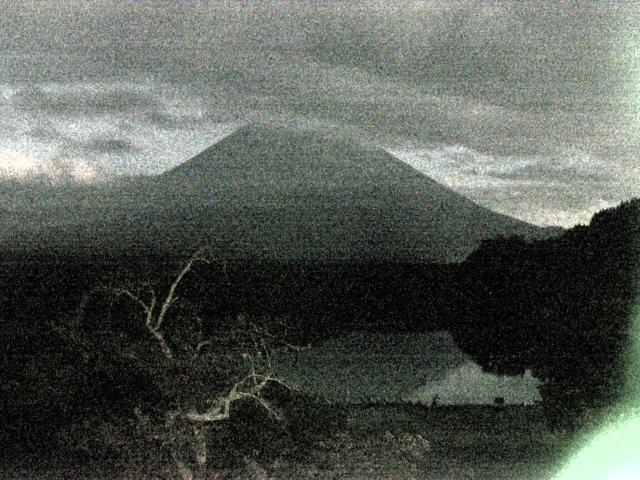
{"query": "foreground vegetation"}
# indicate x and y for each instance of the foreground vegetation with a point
(392, 441)
(142, 385)
(162, 367)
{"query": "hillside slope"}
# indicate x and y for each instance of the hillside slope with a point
(270, 193)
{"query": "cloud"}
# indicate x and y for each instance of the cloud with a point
(114, 128)
(109, 146)
(83, 99)
(561, 58)
(511, 80)
(515, 52)
(564, 189)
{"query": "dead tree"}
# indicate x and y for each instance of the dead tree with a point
(214, 405)
(155, 317)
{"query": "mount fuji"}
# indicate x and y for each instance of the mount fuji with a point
(272, 193)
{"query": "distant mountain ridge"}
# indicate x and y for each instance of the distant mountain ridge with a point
(271, 193)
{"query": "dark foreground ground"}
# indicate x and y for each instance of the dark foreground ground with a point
(376, 442)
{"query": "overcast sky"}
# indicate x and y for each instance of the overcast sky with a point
(532, 109)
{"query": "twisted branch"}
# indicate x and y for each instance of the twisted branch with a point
(154, 321)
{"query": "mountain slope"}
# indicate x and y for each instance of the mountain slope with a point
(274, 194)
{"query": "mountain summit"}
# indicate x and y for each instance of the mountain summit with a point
(272, 193)
(276, 159)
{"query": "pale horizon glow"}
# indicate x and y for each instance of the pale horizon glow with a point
(14, 165)
(502, 183)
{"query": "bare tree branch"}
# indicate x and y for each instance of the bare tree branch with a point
(148, 309)
(202, 344)
(153, 321)
(257, 365)
(249, 387)
(198, 256)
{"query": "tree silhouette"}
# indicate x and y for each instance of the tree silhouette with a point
(561, 307)
(197, 378)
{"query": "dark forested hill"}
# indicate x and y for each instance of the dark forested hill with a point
(563, 307)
